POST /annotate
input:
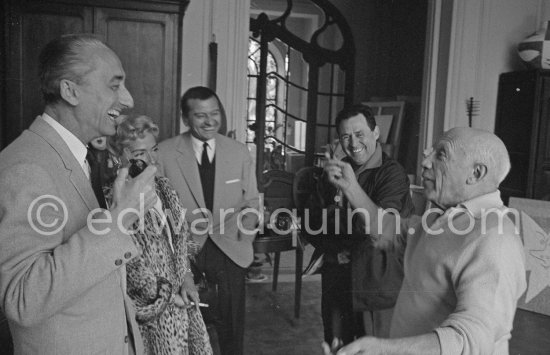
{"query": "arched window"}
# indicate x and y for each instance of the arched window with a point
(275, 125)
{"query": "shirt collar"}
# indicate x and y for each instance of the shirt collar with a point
(197, 147)
(75, 145)
(477, 205)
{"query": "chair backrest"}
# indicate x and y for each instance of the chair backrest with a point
(305, 187)
(276, 186)
(389, 118)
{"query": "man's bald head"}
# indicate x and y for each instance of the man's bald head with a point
(463, 164)
(483, 147)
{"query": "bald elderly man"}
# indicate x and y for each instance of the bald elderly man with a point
(463, 260)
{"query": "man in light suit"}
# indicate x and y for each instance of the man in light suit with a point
(62, 266)
(211, 173)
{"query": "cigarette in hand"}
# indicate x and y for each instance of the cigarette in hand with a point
(200, 304)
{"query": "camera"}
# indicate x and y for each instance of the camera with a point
(136, 167)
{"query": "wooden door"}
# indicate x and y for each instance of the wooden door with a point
(515, 126)
(541, 186)
(30, 26)
(146, 43)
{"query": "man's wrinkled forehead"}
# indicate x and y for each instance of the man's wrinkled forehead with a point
(449, 142)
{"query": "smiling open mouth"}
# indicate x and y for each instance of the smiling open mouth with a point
(113, 114)
(358, 150)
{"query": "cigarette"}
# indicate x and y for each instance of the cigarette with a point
(200, 304)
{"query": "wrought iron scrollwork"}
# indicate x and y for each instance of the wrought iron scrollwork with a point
(316, 56)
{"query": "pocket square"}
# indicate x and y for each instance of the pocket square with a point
(232, 181)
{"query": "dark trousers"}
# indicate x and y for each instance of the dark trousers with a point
(339, 319)
(227, 308)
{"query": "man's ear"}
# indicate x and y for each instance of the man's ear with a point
(185, 120)
(68, 91)
(478, 173)
(376, 132)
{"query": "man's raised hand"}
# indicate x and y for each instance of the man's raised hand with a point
(339, 173)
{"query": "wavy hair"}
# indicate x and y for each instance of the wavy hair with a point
(65, 58)
(131, 128)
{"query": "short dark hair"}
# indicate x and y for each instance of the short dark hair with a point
(60, 59)
(199, 93)
(354, 110)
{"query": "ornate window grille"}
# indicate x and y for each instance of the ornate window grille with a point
(294, 110)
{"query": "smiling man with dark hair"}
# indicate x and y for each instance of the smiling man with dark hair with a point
(213, 173)
(360, 283)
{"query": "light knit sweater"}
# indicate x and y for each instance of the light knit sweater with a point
(461, 283)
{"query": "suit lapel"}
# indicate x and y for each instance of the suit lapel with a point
(76, 174)
(190, 169)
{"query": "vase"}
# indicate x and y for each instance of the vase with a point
(535, 49)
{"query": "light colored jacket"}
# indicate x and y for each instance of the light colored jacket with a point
(234, 188)
(62, 292)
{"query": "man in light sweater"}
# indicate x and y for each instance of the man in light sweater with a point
(463, 260)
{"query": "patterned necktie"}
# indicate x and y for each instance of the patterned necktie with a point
(205, 162)
(95, 178)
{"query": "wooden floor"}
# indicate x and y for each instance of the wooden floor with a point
(272, 315)
(531, 334)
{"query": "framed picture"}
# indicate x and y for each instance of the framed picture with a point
(535, 232)
(384, 124)
(382, 110)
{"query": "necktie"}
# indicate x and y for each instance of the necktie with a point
(206, 172)
(205, 162)
(95, 178)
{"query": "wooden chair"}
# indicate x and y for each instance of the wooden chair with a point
(277, 188)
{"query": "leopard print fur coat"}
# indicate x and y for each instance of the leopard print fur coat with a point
(157, 275)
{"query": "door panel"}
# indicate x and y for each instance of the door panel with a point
(145, 43)
(28, 34)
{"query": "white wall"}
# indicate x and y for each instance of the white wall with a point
(483, 42)
(227, 22)
(545, 10)
(484, 37)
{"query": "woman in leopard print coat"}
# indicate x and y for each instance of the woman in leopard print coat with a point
(160, 281)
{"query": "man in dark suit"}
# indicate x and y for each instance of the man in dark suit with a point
(211, 173)
(62, 275)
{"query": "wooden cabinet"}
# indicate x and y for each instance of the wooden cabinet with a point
(523, 123)
(144, 34)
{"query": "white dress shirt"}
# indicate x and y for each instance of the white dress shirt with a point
(198, 147)
(75, 145)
